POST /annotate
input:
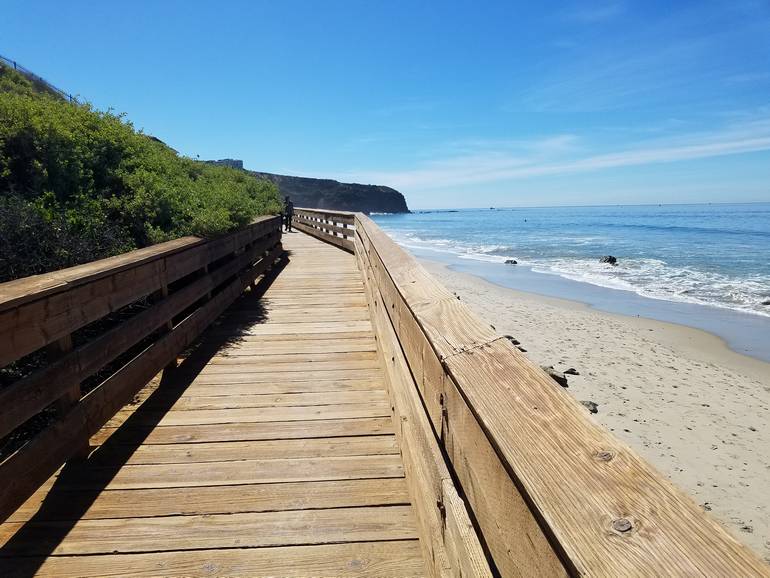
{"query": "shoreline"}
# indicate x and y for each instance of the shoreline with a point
(680, 396)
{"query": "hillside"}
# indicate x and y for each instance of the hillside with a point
(331, 194)
(78, 184)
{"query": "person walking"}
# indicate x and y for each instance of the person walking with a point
(288, 213)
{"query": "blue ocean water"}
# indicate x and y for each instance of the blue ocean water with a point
(716, 255)
(703, 265)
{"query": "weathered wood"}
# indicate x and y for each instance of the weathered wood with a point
(32, 394)
(499, 407)
(238, 472)
(449, 541)
(254, 400)
(30, 466)
(366, 445)
(393, 558)
(229, 530)
(517, 544)
(345, 217)
(39, 310)
(330, 227)
(248, 431)
(158, 502)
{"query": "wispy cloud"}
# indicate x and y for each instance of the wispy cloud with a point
(680, 60)
(557, 155)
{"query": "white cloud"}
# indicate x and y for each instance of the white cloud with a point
(559, 155)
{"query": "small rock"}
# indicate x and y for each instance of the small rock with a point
(766, 302)
(748, 529)
(557, 376)
(511, 262)
(512, 339)
(520, 348)
(571, 371)
(609, 259)
(706, 506)
(592, 406)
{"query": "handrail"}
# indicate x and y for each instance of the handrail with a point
(329, 226)
(173, 291)
(552, 492)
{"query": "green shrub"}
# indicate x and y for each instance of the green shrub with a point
(77, 184)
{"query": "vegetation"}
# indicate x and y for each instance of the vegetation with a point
(77, 184)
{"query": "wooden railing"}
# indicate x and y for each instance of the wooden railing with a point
(330, 226)
(120, 320)
(551, 492)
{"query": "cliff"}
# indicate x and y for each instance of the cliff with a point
(330, 194)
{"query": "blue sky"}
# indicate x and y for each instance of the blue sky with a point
(456, 104)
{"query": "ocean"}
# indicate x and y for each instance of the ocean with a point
(693, 264)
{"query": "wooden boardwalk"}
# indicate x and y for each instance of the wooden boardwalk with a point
(345, 416)
(274, 454)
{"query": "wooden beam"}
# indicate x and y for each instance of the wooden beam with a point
(450, 544)
(538, 473)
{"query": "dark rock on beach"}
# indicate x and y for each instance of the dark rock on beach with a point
(511, 262)
(557, 376)
(571, 371)
(512, 339)
(609, 259)
(592, 406)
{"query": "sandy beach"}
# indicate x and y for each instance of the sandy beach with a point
(698, 411)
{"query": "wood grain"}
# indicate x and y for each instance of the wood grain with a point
(501, 407)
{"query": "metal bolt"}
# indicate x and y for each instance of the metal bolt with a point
(621, 525)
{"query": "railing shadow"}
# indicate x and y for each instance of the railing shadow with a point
(63, 506)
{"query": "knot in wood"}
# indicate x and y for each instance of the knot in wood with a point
(604, 456)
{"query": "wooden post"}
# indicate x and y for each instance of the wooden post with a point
(72, 397)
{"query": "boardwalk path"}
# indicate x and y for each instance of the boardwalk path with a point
(275, 455)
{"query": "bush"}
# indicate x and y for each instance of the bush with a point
(77, 184)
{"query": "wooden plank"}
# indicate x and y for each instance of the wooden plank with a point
(264, 400)
(248, 450)
(392, 558)
(457, 551)
(80, 295)
(305, 347)
(288, 376)
(84, 505)
(581, 514)
(238, 472)
(13, 293)
(197, 388)
(346, 217)
(246, 431)
(346, 244)
(244, 365)
(512, 534)
(280, 378)
(264, 414)
(231, 530)
(214, 334)
(293, 328)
